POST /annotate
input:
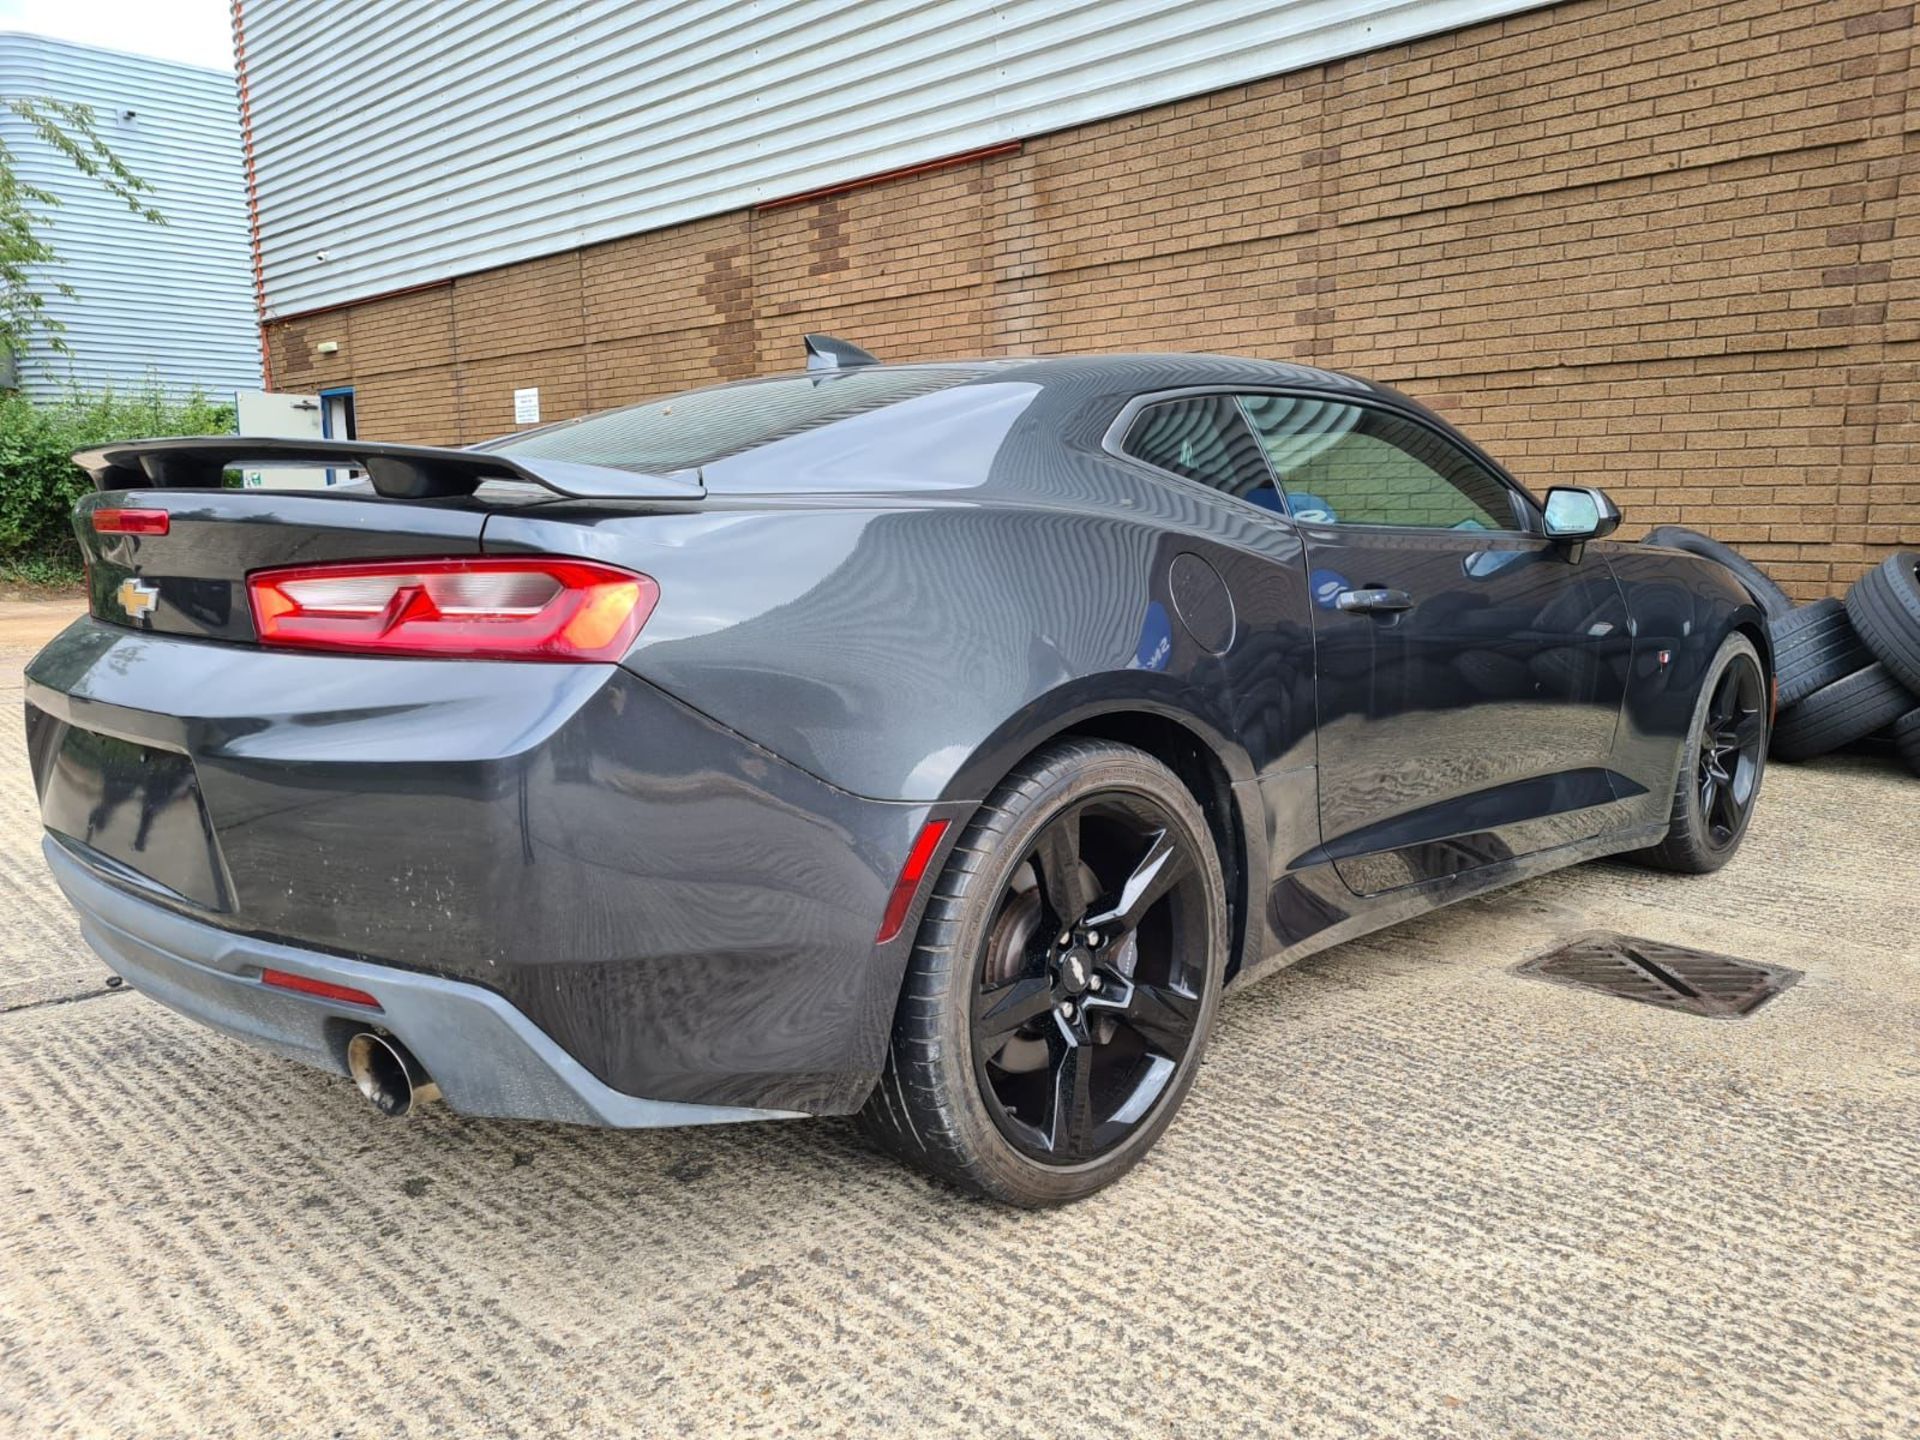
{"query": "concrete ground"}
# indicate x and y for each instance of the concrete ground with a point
(1412, 1194)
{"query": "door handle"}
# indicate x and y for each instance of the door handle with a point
(1373, 601)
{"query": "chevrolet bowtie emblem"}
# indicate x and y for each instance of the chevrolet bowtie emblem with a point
(137, 597)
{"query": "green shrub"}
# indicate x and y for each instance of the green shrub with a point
(39, 482)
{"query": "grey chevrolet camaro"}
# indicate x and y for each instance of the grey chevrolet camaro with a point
(934, 742)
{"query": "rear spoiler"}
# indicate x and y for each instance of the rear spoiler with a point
(398, 472)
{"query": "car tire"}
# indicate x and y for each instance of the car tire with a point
(1774, 602)
(1884, 606)
(991, 929)
(1702, 831)
(1813, 647)
(1906, 739)
(1841, 713)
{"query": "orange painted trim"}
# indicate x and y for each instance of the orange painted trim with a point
(905, 172)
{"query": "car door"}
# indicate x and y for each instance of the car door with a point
(1470, 672)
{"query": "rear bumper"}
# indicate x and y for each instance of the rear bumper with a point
(486, 1056)
(688, 917)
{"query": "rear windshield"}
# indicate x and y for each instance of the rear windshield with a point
(701, 427)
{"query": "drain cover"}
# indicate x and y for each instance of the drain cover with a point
(1660, 974)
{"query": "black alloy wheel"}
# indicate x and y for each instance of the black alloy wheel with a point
(1731, 751)
(1721, 764)
(1090, 983)
(1063, 980)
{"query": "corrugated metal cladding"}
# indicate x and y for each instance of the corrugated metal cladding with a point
(403, 141)
(164, 305)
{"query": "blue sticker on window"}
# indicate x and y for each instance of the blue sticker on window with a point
(1156, 640)
(1326, 586)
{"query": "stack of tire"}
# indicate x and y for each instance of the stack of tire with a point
(1847, 669)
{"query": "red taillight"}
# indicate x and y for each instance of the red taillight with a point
(131, 522)
(911, 874)
(287, 980)
(531, 608)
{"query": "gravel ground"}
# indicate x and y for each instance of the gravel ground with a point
(1413, 1194)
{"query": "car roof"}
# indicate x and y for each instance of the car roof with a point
(729, 431)
(1106, 375)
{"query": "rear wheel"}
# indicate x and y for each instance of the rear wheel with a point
(1063, 983)
(1721, 766)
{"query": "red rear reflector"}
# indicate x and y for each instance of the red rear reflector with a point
(911, 874)
(286, 980)
(131, 522)
(523, 608)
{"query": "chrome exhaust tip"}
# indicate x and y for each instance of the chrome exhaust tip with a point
(388, 1075)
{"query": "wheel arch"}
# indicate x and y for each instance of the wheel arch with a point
(1207, 761)
(1751, 623)
(1755, 629)
(1182, 750)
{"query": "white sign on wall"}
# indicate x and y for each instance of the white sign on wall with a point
(526, 406)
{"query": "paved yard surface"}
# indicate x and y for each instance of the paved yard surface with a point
(1412, 1194)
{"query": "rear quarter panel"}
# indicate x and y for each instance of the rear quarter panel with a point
(912, 651)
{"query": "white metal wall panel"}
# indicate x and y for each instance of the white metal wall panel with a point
(398, 142)
(168, 305)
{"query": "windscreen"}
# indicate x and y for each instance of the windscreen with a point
(701, 427)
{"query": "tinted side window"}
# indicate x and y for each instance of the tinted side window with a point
(1204, 438)
(1349, 465)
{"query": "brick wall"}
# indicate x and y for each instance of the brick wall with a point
(1671, 249)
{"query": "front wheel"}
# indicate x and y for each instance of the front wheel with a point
(1063, 982)
(1720, 766)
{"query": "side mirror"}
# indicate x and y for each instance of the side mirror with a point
(1577, 514)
